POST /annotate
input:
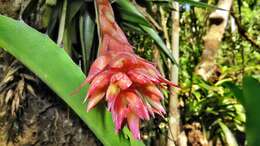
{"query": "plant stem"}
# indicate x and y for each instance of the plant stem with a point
(62, 23)
(174, 113)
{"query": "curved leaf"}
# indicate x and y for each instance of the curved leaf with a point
(128, 9)
(230, 138)
(251, 94)
(58, 71)
(129, 12)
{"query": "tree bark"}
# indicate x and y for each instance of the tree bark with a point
(218, 21)
(175, 136)
(30, 113)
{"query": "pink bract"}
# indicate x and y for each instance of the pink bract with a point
(128, 83)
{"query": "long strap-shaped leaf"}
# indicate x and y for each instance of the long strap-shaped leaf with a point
(129, 13)
(57, 70)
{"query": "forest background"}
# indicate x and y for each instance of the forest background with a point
(215, 43)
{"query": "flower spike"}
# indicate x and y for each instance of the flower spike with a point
(129, 83)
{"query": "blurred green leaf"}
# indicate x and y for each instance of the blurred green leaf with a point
(199, 4)
(229, 137)
(73, 7)
(196, 3)
(68, 37)
(60, 73)
(67, 41)
(250, 98)
(53, 19)
(251, 90)
(51, 2)
(190, 2)
(153, 34)
(133, 27)
(236, 90)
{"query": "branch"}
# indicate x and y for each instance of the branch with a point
(244, 34)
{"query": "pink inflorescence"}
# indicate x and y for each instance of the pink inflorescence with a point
(130, 87)
(128, 83)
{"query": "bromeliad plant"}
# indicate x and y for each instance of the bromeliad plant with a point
(63, 76)
(128, 83)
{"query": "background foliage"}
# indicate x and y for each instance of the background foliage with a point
(212, 112)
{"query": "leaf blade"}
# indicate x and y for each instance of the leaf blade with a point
(251, 94)
(125, 5)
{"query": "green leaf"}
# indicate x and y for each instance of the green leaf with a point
(230, 138)
(51, 2)
(199, 4)
(133, 27)
(190, 2)
(251, 90)
(126, 8)
(153, 34)
(249, 97)
(236, 90)
(126, 14)
(53, 19)
(62, 22)
(67, 41)
(60, 73)
(129, 12)
(73, 8)
(86, 29)
(69, 37)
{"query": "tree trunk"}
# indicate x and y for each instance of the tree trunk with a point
(175, 136)
(218, 19)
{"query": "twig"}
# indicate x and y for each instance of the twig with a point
(244, 34)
